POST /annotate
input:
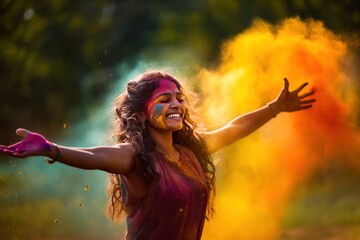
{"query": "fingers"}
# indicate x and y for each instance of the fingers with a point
(307, 101)
(22, 132)
(7, 152)
(286, 84)
(306, 94)
(305, 107)
(13, 152)
(301, 87)
(10, 150)
(3, 149)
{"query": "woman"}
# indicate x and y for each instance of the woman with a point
(161, 173)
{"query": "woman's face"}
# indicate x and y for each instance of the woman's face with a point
(166, 108)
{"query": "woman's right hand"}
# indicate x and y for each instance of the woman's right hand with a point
(33, 144)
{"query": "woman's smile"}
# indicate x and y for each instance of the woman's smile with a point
(175, 116)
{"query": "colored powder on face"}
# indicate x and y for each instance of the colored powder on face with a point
(154, 113)
(157, 112)
(258, 174)
(166, 86)
(157, 116)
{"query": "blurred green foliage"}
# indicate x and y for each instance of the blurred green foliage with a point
(48, 49)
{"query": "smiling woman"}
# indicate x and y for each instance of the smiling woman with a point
(166, 193)
(161, 173)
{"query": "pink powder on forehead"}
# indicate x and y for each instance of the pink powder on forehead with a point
(166, 84)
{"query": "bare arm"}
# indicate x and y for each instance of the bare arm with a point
(112, 159)
(246, 124)
(236, 129)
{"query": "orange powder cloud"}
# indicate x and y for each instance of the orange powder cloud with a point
(257, 175)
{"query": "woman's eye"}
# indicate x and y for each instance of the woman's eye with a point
(167, 100)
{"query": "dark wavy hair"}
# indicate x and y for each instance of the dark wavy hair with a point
(128, 129)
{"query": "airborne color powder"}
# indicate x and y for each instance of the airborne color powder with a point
(257, 175)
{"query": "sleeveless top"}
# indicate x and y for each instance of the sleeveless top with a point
(175, 207)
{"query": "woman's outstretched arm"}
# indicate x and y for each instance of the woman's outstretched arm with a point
(114, 159)
(246, 124)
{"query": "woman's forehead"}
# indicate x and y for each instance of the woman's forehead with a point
(166, 86)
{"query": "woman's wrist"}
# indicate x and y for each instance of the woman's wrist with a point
(54, 154)
(275, 107)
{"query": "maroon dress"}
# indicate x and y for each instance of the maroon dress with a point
(175, 208)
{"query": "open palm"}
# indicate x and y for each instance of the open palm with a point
(292, 101)
(32, 144)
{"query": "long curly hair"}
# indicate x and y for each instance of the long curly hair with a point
(128, 129)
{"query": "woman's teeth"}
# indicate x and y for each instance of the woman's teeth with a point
(175, 115)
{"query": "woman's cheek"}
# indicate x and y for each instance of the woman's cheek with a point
(152, 111)
(156, 116)
(157, 112)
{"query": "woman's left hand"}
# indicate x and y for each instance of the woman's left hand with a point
(291, 101)
(33, 144)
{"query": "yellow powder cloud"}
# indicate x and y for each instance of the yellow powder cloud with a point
(257, 175)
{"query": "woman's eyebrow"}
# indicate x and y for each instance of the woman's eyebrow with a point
(167, 94)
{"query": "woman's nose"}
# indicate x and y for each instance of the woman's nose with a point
(175, 104)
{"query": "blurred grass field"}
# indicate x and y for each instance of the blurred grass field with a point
(326, 207)
(42, 202)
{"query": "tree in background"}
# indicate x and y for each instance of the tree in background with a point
(47, 50)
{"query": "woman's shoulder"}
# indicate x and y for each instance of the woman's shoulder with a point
(125, 147)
